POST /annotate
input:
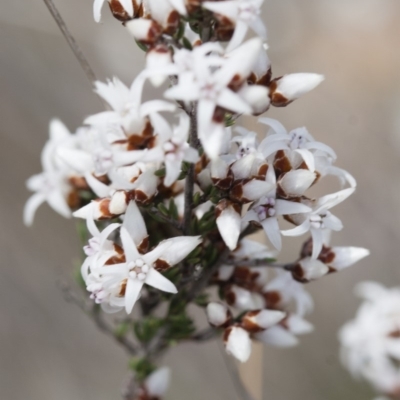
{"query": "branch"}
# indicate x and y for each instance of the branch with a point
(71, 41)
(93, 311)
(176, 224)
(204, 335)
(189, 185)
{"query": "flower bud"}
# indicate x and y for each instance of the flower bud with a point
(218, 315)
(229, 222)
(237, 343)
(309, 269)
(290, 87)
(259, 320)
(296, 182)
(257, 97)
(157, 58)
(144, 30)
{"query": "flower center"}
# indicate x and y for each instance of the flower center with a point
(138, 269)
(267, 209)
(297, 141)
(209, 91)
(93, 247)
(248, 11)
(103, 161)
(317, 221)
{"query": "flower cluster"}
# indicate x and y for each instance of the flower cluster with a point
(170, 188)
(370, 343)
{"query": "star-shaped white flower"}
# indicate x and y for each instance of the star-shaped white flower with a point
(320, 219)
(244, 14)
(266, 210)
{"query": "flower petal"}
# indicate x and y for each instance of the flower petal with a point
(159, 281)
(132, 293)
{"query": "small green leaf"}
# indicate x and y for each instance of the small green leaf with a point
(160, 172)
(142, 367)
(141, 46)
(163, 209)
(186, 43)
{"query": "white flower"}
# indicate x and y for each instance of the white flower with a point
(259, 320)
(127, 110)
(244, 14)
(210, 89)
(126, 4)
(173, 145)
(299, 144)
(99, 249)
(371, 342)
(320, 220)
(51, 185)
(267, 209)
(120, 284)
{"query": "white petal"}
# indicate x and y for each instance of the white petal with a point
(239, 344)
(267, 318)
(179, 248)
(191, 155)
(255, 189)
(132, 293)
(285, 207)
(233, 102)
(58, 131)
(99, 188)
(228, 224)
(173, 170)
(276, 126)
(159, 281)
(92, 227)
(58, 203)
(239, 34)
(217, 314)
(179, 5)
(156, 106)
(298, 325)
(131, 253)
(128, 6)
(157, 383)
(299, 230)
(313, 269)
(257, 97)
(97, 6)
(271, 228)
(308, 158)
(331, 200)
(293, 86)
(297, 182)
(134, 223)
(205, 110)
(317, 240)
(346, 256)
(118, 202)
(277, 336)
(107, 231)
(31, 206)
(259, 28)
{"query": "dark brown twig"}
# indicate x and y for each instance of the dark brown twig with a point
(71, 41)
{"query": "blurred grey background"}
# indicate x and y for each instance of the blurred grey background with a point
(48, 348)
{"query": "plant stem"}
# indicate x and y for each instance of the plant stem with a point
(94, 312)
(71, 41)
(189, 186)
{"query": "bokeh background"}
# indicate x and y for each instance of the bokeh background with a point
(48, 348)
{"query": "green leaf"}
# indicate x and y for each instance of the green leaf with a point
(163, 209)
(141, 46)
(122, 329)
(173, 209)
(181, 31)
(160, 172)
(186, 43)
(142, 367)
(202, 300)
